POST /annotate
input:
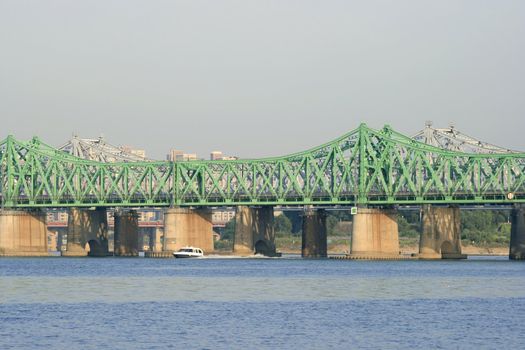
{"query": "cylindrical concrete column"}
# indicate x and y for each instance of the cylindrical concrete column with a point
(375, 234)
(314, 240)
(440, 234)
(87, 226)
(188, 227)
(75, 240)
(23, 233)
(156, 239)
(243, 240)
(52, 241)
(126, 233)
(517, 236)
(254, 231)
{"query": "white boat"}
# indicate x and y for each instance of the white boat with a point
(189, 252)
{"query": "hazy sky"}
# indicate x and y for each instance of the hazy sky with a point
(259, 78)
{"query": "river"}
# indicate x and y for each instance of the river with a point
(128, 303)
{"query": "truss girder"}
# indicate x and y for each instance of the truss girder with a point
(454, 140)
(365, 166)
(99, 150)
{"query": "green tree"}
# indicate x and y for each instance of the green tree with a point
(405, 228)
(229, 230)
(485, 227)
(282, 225)
(296, 219)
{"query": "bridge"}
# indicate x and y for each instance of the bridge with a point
(372, 171)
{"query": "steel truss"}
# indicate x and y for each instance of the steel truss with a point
(365, 166)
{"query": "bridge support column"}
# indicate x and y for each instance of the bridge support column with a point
(143, 232)
(440, 235)
(517, 235)
(126, 233)
(23, 233)
(87, 232)
(254, 232)
(314, 242)
(188, 227)
(375, 234)
(61, 234)
(52, 241)
(156, 239)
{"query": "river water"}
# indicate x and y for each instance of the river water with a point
(128, 303)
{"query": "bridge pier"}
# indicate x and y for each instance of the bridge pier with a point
(87, 227)
(314, 241)
(126, 233)
(440, 236)
(517, 235)
(188, 227)
(254, 231)
(23, 233)
(156, 237)
(375, 234)
(153, 235)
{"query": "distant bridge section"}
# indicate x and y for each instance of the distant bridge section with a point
(99, 150)
(452, 139)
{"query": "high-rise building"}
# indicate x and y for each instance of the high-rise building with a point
(176, 155)
(216, 155)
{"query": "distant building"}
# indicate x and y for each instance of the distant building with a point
(137, 152)
(189, 156)
(222, 217)
(176, 155)
(57, 216)
(216, 155)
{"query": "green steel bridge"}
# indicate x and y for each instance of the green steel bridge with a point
(362, 167)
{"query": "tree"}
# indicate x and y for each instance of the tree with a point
(229, 230)
(282, 224)
(296, 220)
(405, 228)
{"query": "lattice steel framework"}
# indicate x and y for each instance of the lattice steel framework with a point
(365, 166)
(99, 150)
(454, 140)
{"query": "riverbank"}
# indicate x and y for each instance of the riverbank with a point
(341, 245)
(413, 249)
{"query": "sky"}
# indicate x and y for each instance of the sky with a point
(259, 78)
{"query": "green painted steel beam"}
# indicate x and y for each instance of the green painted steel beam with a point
(364, 166)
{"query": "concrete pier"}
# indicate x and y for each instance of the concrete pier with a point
(188, 227)
(150, 238)
(254, 231)
(87, 232)
(375, 234)
(126, 233)
(52, 241)
(156, 239)
(440, 236)
(517, 235)
(23, 233)
(314, 241)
